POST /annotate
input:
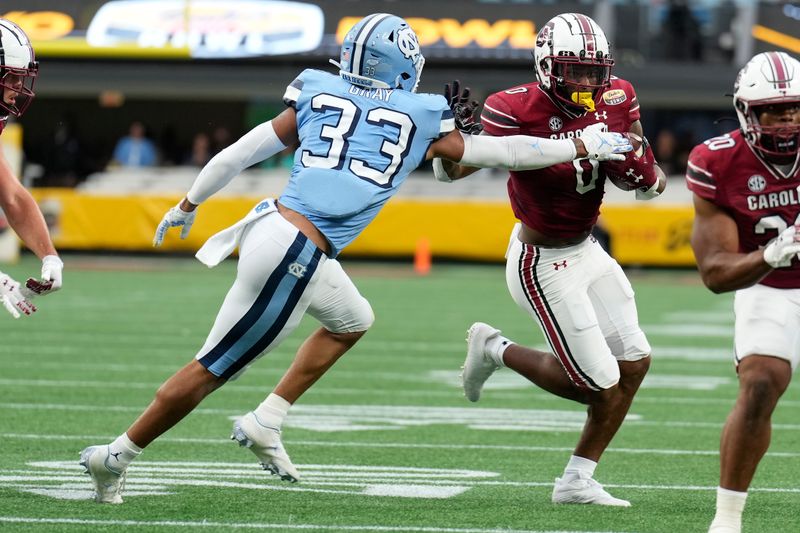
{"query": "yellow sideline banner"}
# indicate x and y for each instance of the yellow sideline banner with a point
(460, 229)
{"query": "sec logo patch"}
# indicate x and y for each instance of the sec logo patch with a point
(756, 183)
(614, 96)
(555, 123)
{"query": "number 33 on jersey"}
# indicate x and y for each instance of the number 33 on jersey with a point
(339, 171)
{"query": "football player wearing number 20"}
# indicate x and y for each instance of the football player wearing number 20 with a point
(360, 134)
(576, 293)
(746, 239)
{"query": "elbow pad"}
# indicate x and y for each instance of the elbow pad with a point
(516, 152)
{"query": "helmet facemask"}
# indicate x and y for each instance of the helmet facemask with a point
(578, 82)
(770, 84)
(17, 85)
(18, 69)
(778, 140)
(573, 60)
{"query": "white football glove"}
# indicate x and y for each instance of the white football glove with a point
(51, 280)
(779, 251)
(603, 145)
(13, 300)
(173, 218)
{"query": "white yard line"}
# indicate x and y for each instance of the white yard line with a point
(256, 525)
(355, 444)
(232, 412)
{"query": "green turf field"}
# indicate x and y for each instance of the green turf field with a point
(385, 442)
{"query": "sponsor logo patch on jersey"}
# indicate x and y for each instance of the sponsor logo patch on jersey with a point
(756, 183)
(614, 97)
(555, 123)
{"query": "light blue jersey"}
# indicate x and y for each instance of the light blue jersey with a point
(356, 147)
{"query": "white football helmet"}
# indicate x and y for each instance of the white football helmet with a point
(573, 59)
(381, 51)
(767, 79)
(18, 69)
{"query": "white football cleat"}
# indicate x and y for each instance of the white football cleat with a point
(108, 481)
(585, 490)
(478, 365)
(265, 442)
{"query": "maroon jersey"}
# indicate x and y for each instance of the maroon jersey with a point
(562, 200)
(727, 172)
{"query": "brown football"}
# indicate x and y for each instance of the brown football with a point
(615, 169)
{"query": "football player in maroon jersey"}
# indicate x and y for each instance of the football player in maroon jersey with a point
(745, 186)
(18, 70)
(555, 271)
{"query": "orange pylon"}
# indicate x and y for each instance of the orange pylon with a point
(422, 257)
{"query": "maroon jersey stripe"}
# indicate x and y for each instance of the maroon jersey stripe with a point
(696, 175)
(528, 264)
(497, 118)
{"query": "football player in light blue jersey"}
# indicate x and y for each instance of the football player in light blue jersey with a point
(360, 134)
(339, 181)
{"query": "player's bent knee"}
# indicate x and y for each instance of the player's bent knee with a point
(606, 375)
(363, 317)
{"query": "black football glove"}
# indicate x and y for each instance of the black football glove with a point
(462, 107)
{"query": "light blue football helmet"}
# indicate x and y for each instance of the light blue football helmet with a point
(381, 52)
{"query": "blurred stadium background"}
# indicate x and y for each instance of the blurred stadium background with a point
(196, 75)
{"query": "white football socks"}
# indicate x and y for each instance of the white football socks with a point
(730, 504)
(495, 347)
(122, 452)
(272, 411)
(578, 465)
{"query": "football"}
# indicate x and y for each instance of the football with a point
(614, 170)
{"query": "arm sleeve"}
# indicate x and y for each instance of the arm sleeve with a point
(255, 146)
(516, 152)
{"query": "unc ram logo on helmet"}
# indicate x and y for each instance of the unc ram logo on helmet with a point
(382, 52)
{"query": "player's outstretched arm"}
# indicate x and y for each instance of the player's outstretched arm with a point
(260, 143)
(521, 152)
(27, 221)
(715, 242)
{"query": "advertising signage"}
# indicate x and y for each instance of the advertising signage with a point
(229, 29)
(213, 29)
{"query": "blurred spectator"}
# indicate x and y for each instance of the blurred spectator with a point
(135, 149)
(680, 33)
(200, 152)
(220, 139)
(62, 158)
(666, 151)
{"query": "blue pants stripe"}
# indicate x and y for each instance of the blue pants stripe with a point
(268, 314)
